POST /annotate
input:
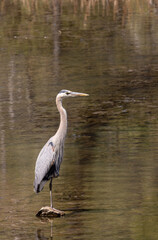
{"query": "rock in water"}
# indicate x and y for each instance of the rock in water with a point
(49, 212)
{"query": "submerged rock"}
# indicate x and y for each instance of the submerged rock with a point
(49, 212)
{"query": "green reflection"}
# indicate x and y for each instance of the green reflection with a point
(108, 179)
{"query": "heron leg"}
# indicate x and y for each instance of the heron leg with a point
(50, 187)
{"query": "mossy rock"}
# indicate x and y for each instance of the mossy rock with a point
(49, 212)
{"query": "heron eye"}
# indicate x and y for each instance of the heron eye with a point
(67, 93)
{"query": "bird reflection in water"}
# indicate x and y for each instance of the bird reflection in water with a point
(40, 232)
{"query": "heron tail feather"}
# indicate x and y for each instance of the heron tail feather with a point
(38, 187)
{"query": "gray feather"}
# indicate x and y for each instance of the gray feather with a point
(47, 164)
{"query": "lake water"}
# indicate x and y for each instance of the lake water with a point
(108, 183)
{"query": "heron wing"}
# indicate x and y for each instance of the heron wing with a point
(45, 165)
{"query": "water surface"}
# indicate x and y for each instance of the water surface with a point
(108, 179)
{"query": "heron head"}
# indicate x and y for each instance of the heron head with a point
(68, 93)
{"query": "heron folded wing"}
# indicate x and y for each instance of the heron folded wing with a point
(44, 166)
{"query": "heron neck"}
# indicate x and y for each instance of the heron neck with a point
(63, 119)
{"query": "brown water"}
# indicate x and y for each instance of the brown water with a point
(108, 184)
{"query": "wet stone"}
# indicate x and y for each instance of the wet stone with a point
(49, 212)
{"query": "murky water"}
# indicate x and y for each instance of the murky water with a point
(108, 184)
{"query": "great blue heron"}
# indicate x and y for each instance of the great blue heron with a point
(51, 155)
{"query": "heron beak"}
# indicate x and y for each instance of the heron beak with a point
(75, 94)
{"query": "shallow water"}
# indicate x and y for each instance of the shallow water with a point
(108, 179)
